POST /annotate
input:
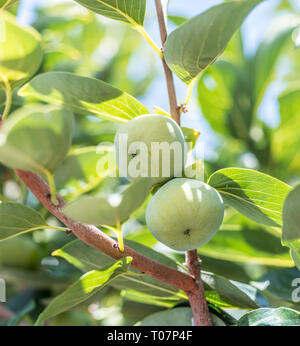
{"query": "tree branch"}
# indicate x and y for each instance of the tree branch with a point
(196, 297)
(174, 108)
(92, 236)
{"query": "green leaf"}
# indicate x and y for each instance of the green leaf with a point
(84, 95)
(235, 293)
(21, 51)
(89, 284)
(285, 141)
(224, 99)
(258, 196)
(271, 317)
(278, 284)
(17, 219)
(127, 11)
(291, 224)
(177, 20)
(264, 62)
(291, 215)
(175, 317)
(82, 170)
(196, 44)
(108, 209)
(190, 135)
(36, 138)
(87, 258)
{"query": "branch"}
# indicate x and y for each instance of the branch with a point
(92, 236)
(174, 109)
(197, 298)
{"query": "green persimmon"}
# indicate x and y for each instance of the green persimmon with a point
(152, 146)
(185, 214)
(19, 252)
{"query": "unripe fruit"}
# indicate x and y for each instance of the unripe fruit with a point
(185, 214)
(150, 141)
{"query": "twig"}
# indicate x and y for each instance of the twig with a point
(92, 236)
(174, 109)
(196, 297)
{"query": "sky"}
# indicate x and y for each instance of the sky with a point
(253, 29)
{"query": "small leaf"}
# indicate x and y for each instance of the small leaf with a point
(110, 209)
(258, 196)
(89, 284)
(197, 43)
(235, 293)
(190, 135)
(82, 170)
(36, 138)
(177, 20)
(271, 317)
(20, 50)
(84, 95)
(128, 11)
(291, 224)
(17, 219)
(181, 316)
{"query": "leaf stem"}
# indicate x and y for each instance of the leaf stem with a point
(190, 89)
(8, 93)
(63, 229)
(146, 36)
(51, 181)
(120, 236)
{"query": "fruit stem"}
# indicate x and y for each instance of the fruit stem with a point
(50, 178)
